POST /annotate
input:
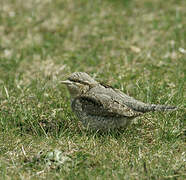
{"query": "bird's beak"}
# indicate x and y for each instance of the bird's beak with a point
(66, 82)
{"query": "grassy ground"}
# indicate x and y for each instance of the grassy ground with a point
(137, 46)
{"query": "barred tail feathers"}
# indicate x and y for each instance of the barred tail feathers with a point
(155, 107)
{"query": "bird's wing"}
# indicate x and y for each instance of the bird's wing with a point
(104, 105)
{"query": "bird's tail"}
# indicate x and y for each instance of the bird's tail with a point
(145, 107)
(154, 107)
(142, 107)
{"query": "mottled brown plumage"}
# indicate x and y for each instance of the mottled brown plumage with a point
(101, 107)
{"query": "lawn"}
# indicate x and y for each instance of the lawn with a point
(136, 46)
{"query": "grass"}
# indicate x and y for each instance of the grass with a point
(136, 46)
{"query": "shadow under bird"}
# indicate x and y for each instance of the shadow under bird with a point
(101, 107)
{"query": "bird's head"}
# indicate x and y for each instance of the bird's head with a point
(79, 83)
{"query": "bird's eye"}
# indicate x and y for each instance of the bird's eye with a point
(73, 80)
(78, 81)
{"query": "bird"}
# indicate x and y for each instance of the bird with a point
(101, 107)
